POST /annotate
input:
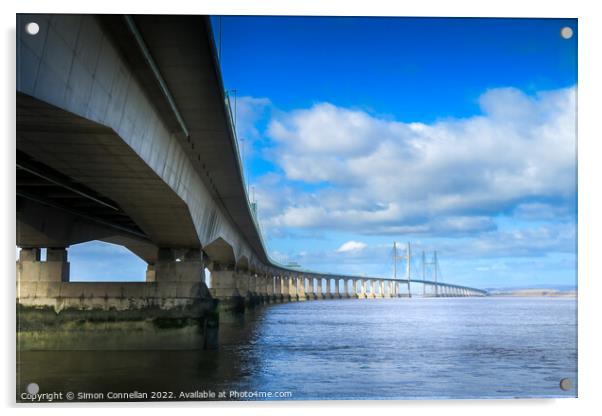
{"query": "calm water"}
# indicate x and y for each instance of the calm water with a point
(350, 349)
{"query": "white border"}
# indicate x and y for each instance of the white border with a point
(590, 208)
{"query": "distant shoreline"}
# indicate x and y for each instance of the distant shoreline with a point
(534, 293)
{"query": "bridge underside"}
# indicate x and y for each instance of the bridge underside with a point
(71, 164)
(123, 136)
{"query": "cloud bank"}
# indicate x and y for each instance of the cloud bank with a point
(346, 169)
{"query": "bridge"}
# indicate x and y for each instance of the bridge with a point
(125, 135)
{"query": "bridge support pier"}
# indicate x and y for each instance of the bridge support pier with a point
(31, 269)
(337, 291)
(257, 288)
(347, 291)
(362, 293)
(369, 289)
(246, 282)
(269, 287)
(252, 293)
(278, 289)
(262, 281)
(292, 289)
(226, 282)
(320, 293)
(174, 298)
(284, 289)
(300, 282)
(381, 290)
(310, 295)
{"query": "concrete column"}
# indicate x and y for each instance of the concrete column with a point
(277, 289)
(319, 293)
(269, 285)
(262, 282)
(242, 282)
(362, 291)
(253, 285)
(311, 290)
(175, 265)
(369, 289)
(224, 282)
(54, 269)
(337, 291)
(284, 288)
(292, 288)
(245, 282)
(151, 275)
(347, 292)
(381, 293)
(259, 287)
(301, 296)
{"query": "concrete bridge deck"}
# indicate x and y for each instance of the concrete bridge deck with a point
(124, 135)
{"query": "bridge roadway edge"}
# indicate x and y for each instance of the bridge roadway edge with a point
(54, 312)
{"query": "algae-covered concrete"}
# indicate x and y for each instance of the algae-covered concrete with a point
(43, 328)
(174, 310)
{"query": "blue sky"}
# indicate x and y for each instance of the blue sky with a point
(454, 134)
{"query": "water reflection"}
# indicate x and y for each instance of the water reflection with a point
(392, 348)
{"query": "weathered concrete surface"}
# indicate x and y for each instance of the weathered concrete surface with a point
(91, 328)
(173, 310)
(301, 293)
(75, 70)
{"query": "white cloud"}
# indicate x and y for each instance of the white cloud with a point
(248, 111)
(351, 246)
(450, 176)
